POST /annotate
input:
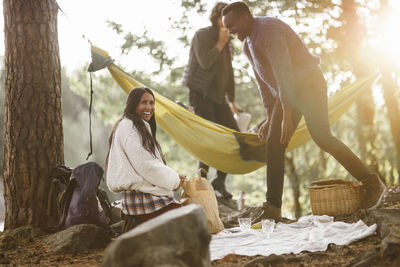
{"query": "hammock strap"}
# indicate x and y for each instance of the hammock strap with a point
(90, 116)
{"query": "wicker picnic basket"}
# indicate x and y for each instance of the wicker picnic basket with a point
(334, 197)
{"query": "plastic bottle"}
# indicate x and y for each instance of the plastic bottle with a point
(240, 201)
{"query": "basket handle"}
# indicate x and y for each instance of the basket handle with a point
(332, 182)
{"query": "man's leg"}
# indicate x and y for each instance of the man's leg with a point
(219, 184)
(206, 109)
(202, 166)
(275, 158)
(276, 155)
(275, 164)
(317, 119)
(224, 116)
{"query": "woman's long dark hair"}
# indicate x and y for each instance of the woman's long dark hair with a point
(216, 13)
(149, 140)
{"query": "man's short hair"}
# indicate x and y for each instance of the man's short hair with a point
(216, 12)
(238, 7)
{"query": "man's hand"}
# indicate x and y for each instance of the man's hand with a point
(263, 131)
(234, 107)
(287, 126)
(223, 38)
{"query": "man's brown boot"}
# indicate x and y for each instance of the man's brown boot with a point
(374, 190)
(219, 185)
(269, 212)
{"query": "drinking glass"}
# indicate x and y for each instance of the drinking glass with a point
(245, 223)
(267, 226)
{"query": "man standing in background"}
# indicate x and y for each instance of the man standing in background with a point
(209, 77)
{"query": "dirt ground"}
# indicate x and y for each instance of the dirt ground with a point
(34, 252)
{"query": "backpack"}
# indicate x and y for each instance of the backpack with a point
(59, 176)
(79, 202)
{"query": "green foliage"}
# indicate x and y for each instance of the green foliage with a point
(75, 109)
(320, 23)
(183, 24)
(108, 98)
(251, 184)
(76, 129)
(156, 49)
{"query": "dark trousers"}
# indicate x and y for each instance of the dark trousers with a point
(218, 113)
(131, 221)
(313, 105)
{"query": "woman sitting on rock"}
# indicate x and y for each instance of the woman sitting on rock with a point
(135, 163)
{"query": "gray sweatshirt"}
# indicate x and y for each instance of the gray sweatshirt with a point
(280, 61)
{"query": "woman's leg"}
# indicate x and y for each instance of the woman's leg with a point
(131, 221)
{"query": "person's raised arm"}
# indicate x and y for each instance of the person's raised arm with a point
(223, 38)
(205, 49)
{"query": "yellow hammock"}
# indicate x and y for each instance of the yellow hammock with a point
(215, 145)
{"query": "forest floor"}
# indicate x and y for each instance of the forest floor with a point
(34, 252)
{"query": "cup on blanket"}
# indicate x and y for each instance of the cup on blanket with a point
(267, 226)
(245, 223)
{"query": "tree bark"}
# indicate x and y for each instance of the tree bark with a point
(33, 119)
(393, 111)
(354, 32)
(389, 87)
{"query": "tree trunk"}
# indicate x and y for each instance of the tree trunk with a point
(33, 123)
(393, 112)
(389, 87)
(365, 130)
(353, 35)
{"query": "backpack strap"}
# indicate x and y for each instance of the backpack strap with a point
(66, 200)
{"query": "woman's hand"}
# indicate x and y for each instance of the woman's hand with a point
(183, 180)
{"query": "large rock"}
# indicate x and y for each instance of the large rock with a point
(391, 198)
(365, 259)
(388, 222)
(391, 245)
(78, 238)
(177, 238)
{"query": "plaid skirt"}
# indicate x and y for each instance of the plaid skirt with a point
(137, 203)
(138, 207)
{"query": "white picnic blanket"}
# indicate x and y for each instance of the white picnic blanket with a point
(309, 233)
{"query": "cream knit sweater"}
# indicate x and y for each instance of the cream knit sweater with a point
(131, 167)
